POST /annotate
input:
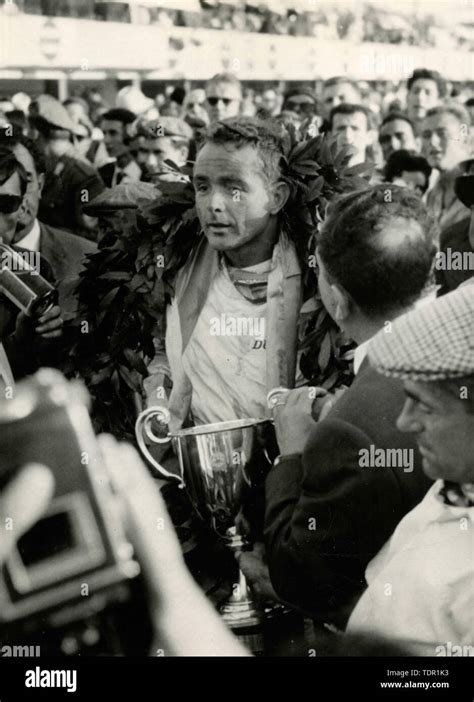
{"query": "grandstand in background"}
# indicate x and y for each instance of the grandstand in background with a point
(63, 46)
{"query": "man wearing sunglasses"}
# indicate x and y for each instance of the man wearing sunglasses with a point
(300, 100)
(65, 252)
(223, 97)
(24, 341)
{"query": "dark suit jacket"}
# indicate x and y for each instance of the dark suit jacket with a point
(326, 516)
(66, 254)
(62, 257)
(456, 238)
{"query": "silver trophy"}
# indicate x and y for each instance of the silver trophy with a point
(218, 462)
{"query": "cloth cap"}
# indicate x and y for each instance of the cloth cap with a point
(50, 110)
(167, 127)
(435, 341)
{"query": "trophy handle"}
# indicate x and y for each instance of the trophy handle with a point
(143, 431)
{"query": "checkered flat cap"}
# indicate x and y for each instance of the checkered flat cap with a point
(435, 341)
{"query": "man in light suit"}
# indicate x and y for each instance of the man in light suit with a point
(340, 487)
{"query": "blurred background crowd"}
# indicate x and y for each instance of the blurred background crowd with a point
(367, 22)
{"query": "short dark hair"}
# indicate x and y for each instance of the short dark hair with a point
(380, 279)
(349, 108)
(264, 136)
(9, 165)
(392, 116)
(404, 160)
(303, 90)
(119, 114)
(458, 111)
(427, 74)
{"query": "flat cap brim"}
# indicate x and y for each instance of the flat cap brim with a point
(434, 341)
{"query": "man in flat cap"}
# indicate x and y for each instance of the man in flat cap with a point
(166, 139)
(420, 585)
(69, 182)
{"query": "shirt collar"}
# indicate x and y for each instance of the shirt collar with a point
(32, 240)
(359, 354)
(6, 375)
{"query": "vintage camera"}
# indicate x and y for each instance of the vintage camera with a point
(22, 284)
(76, 559)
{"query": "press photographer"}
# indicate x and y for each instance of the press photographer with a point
(27, 339)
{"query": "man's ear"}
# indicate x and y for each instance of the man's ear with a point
(41, 178)
(184, 151)
(372, 137)
(280, 195)
(342, 301)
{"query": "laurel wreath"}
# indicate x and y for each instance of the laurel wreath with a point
(126, 285)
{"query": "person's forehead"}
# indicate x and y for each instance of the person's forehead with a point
(12, 186)
(223, 90)
(395, 125)
(338, 88)
(25, 158)
(300, 98)
(418, 176)
(217, 160)
(357, 118)
(443, 119)
(424, 84)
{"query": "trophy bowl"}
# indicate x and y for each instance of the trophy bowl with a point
(218, 464)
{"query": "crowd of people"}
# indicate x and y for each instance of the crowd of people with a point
(328, 21)
(368, 508)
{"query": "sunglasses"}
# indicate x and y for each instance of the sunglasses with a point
(214, 100)
(9, 203)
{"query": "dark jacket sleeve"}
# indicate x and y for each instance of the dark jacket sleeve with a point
(325, 518)
(28, 353)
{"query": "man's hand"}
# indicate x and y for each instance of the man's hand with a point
(23, 500)
(48, 326)
(254, 567)
(293, 419)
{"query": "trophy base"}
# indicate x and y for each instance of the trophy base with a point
(240, 615)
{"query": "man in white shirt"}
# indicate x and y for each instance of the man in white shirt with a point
(231, 327)
(420, 585)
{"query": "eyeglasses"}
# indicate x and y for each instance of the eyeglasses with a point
(9, 203)
(214, 100)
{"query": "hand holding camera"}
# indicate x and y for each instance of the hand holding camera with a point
(103, 502)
